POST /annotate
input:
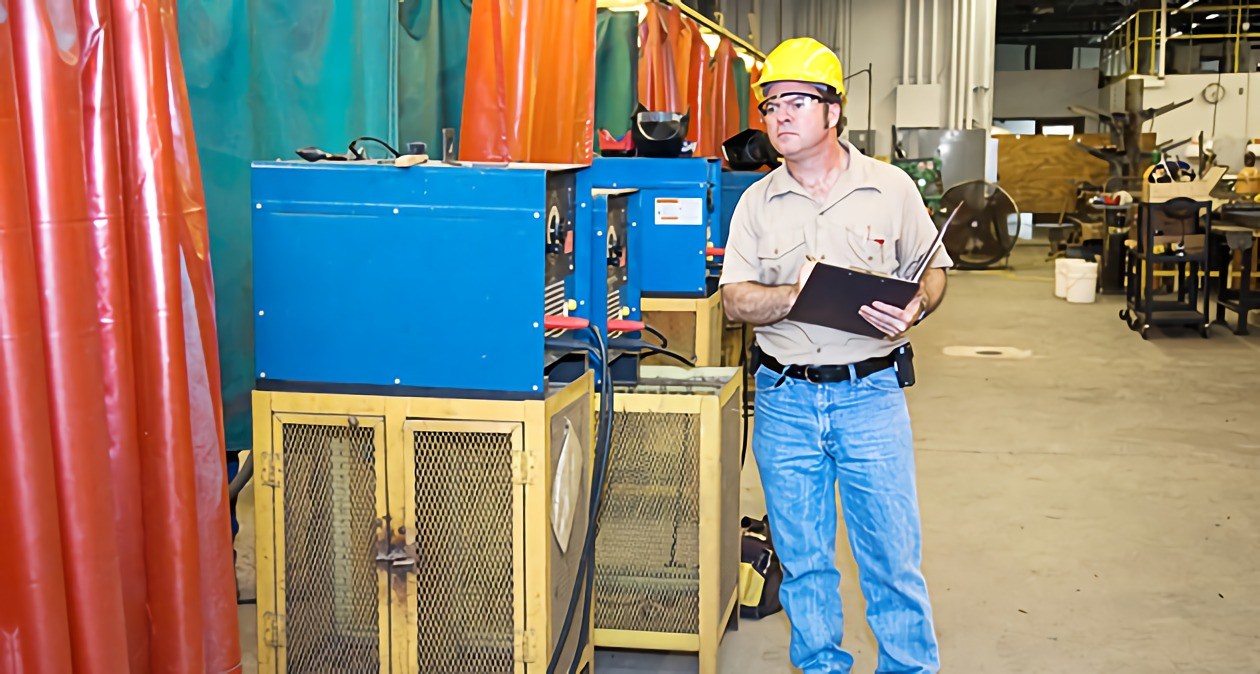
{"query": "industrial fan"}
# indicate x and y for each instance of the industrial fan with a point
(981, 237)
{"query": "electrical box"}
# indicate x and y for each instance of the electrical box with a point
(919, 106)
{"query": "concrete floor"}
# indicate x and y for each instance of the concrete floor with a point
(1092, 507)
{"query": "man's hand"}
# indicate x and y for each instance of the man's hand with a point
(807, 268)
(892, 321)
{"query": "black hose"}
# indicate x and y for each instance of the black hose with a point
(658, 334)
(666, 352)
(585, 578)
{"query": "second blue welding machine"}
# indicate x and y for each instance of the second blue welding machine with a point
(678, 215)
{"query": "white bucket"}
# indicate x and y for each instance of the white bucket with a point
(1060, 276)
(1081, 281)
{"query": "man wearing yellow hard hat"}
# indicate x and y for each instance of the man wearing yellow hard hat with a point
(830, 410)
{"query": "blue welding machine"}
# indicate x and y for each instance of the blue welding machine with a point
(734, 184)
(405, 281)
(676, 218)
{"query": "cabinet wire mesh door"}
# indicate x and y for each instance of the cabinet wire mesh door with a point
(326, 474)
(667, 553)
(648, 558)
(466, 509)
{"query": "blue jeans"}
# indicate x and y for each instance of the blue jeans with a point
(806, 438)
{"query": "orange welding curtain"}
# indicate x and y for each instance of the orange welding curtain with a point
(113, 496)
(530, 82)
(658, 79)
(724, 118)
(676, 74)
(754, 117)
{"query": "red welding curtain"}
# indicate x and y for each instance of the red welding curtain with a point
(113, 494)
(530, 82)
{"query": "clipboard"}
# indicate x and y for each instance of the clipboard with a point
(832, 295)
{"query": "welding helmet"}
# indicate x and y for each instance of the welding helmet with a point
(801, 59)
(658, 133)
(749, 150)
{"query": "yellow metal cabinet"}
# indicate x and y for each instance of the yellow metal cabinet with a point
(694, 327)
(667, 556)
(417, 535)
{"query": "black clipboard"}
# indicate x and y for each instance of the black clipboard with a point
(832, 295)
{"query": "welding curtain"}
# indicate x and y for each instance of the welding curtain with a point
(616, 70)
(530, 82)
(113, 500)
(432, 53)
(268, 76)
(677, 73)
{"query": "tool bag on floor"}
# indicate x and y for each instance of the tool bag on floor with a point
(760, 574)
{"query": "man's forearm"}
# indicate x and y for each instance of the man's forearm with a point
(933, 287)
(757, 304)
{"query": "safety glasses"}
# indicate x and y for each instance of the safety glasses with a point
(796, 102)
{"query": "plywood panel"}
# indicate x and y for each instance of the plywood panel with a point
(1041, 172)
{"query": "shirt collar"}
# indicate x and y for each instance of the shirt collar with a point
(857, 176)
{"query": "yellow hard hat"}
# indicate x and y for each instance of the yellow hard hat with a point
(801, 59)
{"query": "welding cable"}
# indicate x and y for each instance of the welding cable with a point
(659, 335)
(640, 346)
(606, 405)
(585, 577)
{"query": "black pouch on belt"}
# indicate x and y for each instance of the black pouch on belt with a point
(903, 363)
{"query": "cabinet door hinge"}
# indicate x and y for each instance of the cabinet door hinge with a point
(268, 466)
(273, 629)
(524, 643)
(522, 467)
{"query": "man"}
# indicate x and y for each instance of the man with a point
(829, 405)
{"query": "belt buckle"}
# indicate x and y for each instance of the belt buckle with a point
(812, 375)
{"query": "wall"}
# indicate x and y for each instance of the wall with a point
(1035, 94)
(1237, 116)
(872, 31)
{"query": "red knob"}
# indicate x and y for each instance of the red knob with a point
(565, 323)
(623, 325)
(715, 252)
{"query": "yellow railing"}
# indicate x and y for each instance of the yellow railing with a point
(1133, 46)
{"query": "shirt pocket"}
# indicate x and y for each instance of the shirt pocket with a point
(872, 250)
(780, 255)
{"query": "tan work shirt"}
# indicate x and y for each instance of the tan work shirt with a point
(873, 219)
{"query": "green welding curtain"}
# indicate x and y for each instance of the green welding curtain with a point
(742, 84)
(616, 70)
(432, 53)
(266, 77)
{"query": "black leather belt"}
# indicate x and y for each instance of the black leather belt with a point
(827, 374)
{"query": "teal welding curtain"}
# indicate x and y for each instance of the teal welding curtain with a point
(616, 70)
(742, 83)
(266, 77)
(432, 52)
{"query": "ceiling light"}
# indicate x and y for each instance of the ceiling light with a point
(1209, 17)
(1188, 3)
(1175, 34)
(1193, 25)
